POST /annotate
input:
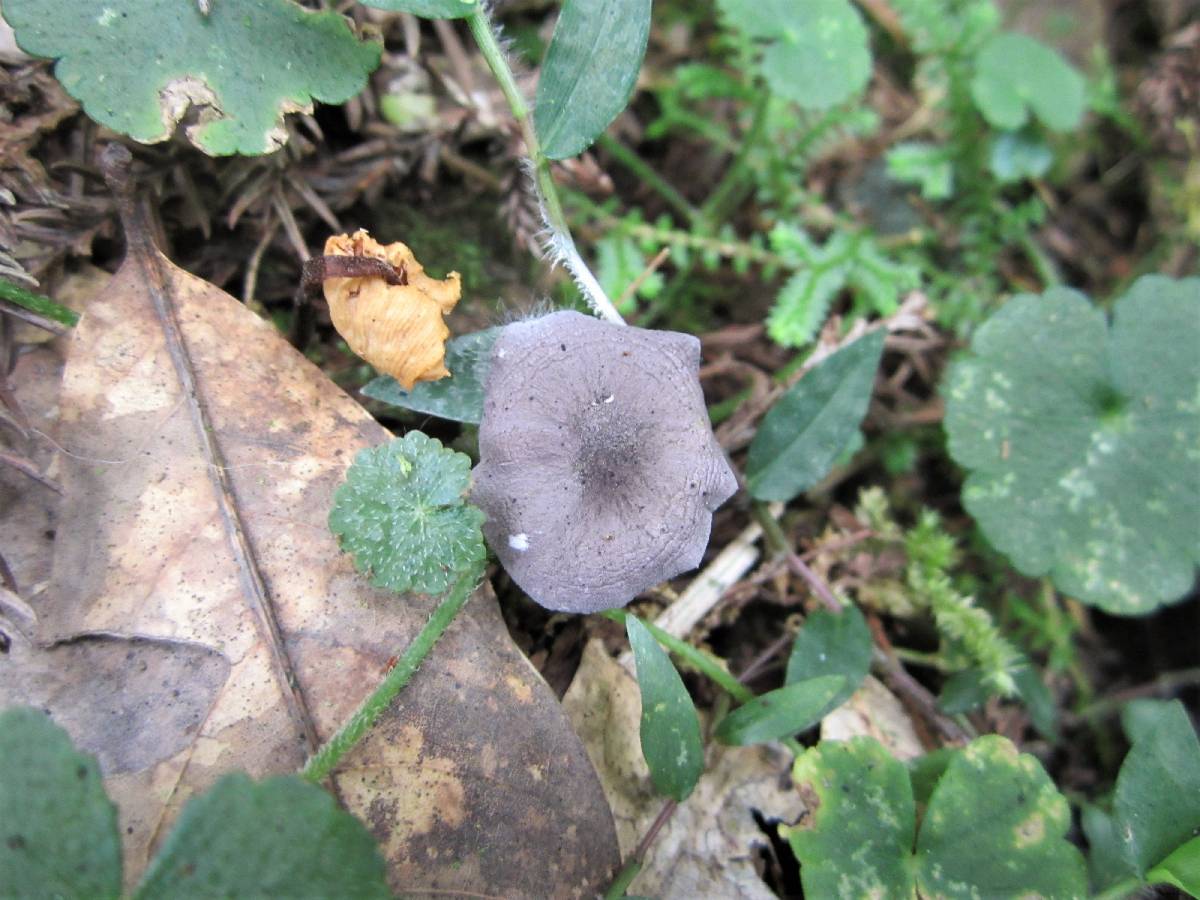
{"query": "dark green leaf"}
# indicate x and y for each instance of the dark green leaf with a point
(1016, 75)
(1017, 155)
(401, 512)
(964, 691)
(459, 397)
(781, 713)
(855, 838)
(805, 430)
(995, 827)
(925, 771)
(1077, 438)
(136, 64)
(832, 644)
(281, 837)
(428, 9)
(58, 829)
(670, 728)
(1181, 868)
(1106, 861)
(1157, 800)
(1037, 698)
(589, 72)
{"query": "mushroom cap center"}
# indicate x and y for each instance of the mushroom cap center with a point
(612, 450)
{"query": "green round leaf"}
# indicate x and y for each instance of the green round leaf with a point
(816, 53)
(832, 644)
(428, 9)
(137, 65)
(1017, 155)
(1083, 443)
(281, 837)
(670, 728)
(856, 836)
(1016, 75)
(781, 713)
(995, 827)
(807, 428)
(58, 829)
(401, 513)
(589, 72)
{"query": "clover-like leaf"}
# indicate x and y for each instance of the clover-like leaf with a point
(816, 53)
(459, 397)
(1016, 75)
(832, 644)
(428, 9)
(401, 513)
(1083, 441)
(58, 829)
(281, 837)
(137, 66)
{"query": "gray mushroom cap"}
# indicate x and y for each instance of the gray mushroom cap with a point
(598, 472)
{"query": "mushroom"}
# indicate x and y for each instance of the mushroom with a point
(598, 472)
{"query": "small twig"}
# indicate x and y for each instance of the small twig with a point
(1166, 683)
(650, 269)
(25, 467)
(25, 315)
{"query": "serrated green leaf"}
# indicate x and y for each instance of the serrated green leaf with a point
(459, 397)
(1157, 798)
(670, 728)
(402, 514)
(58, 829)
(1017, 849)
(1083, 442)
(832, 644)
(136, 64)
(1181, 868)
(803, 303)
(1017, 155)
(1016, 75)
(281, 837)
(782, 712)
(925, 165)
(427, 9)
(856, 836)
(589, 72)
(804, 431)
(816, 53)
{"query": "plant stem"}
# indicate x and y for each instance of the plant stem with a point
(639, 167)
(37, 303)
(327, 757)
(562, 245)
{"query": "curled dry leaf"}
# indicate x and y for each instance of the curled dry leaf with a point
(397, 328)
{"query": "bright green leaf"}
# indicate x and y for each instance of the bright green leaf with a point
(1016, 75)
(804, 431)
(589, 72)
(619, 262)
(856, 836)
(995, 827)
(428, 9)
(781, 713)
(1017, 155)
(281, 837)
(832, 644)
(816, 53)
(459, 397)
(1157, 799)
(1080, 438)
(58, 829)
(803, 304)
(670, 728)
(925, 165)
(1181, 868)
(137, 65)
(401, 512)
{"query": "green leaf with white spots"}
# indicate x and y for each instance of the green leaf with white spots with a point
(995, 827)
(670, 728)
(137, 66)
(816, 53)
(832, 644)
(428, 9)
(855, 837)
(58, 829)
(402, 513)
(1083, 440)
(1016, 76)
(782, 712)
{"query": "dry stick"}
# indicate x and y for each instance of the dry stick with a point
(25, 467)
(19, 312)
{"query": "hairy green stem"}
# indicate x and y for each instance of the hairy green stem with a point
(37, 303)
(327, 757)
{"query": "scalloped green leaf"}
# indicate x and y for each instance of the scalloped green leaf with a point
(459, 397)
(138, 65)
(670, 728)
(816, 53)
(281, 837)
(58, 829)
(1083, 441)
(402, 514)
(803, 433)
(427, 9)
(782, 712)
(856, 836)
(1016, 76)
(590, 70)
(832, 644)
(1018, 848)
